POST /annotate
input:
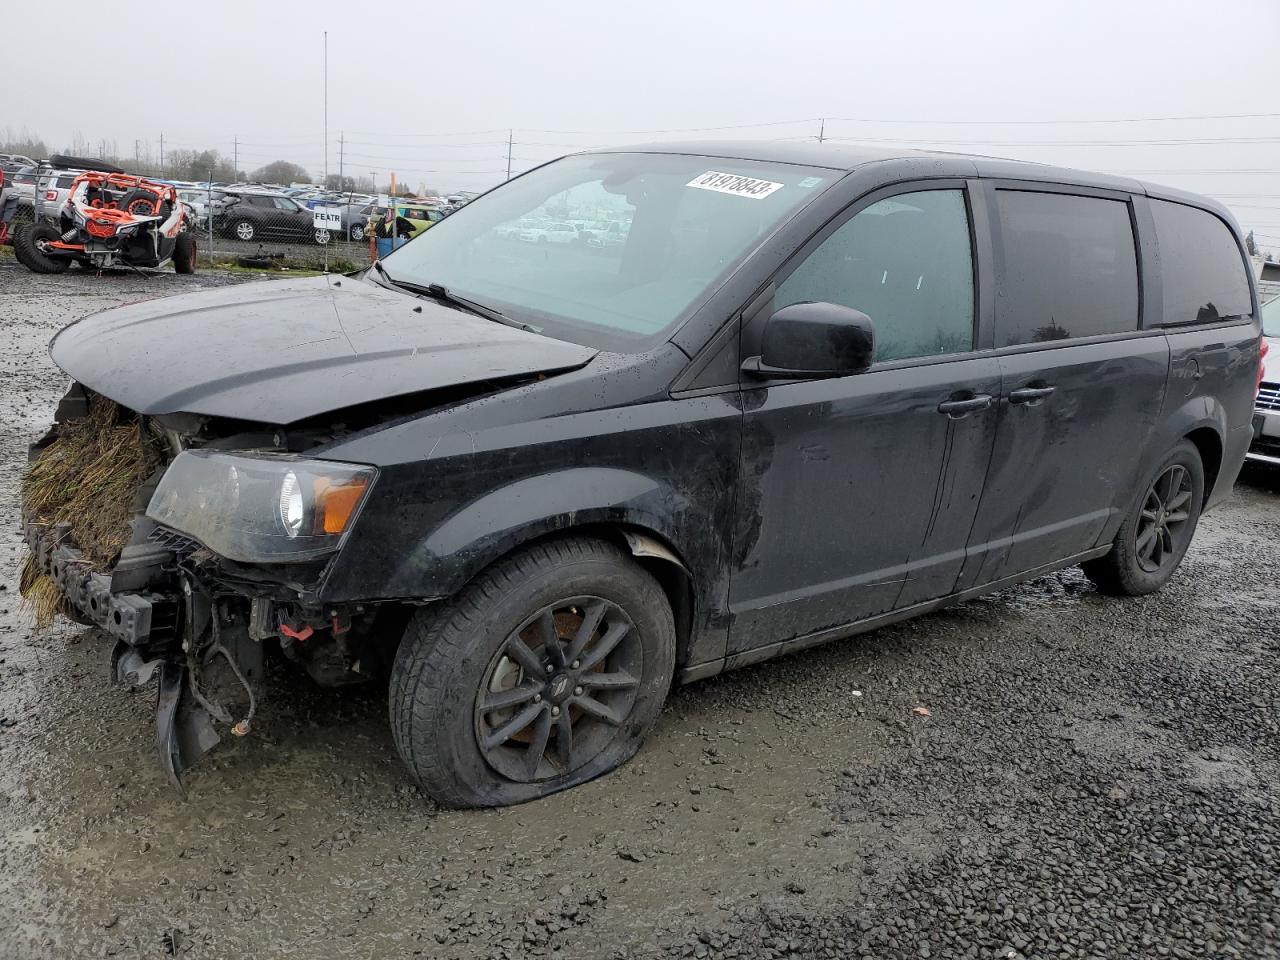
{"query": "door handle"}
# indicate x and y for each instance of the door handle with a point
(956, 409)
(1030, 394)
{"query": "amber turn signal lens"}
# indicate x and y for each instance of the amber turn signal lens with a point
(336, 502)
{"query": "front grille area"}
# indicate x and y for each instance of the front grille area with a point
(1269, 396)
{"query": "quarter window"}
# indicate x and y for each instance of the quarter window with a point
(1069, 268)
(1203, 271)
(906, 262)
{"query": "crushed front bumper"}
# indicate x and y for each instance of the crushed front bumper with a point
(151, 628)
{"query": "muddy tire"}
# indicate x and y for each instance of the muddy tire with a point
(1155, 535)
(184, 253)
(27, 248)
(546, 671)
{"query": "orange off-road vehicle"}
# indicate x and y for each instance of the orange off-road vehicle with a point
(111, 218)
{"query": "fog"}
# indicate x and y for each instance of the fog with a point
(1186, 94)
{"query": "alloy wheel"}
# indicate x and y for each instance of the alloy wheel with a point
(559, 689)
(244, 230)
(1162, 522)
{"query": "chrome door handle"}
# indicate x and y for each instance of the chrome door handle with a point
(1030, 394)
(955, 409)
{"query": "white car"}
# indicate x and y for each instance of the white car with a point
(613, 234)
(553, 232)
(1266, 415)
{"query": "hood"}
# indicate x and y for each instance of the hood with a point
(283, 351)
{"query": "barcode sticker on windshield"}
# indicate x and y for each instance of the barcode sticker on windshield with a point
(735, 184)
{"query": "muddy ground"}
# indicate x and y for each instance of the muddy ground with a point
(1096, 778)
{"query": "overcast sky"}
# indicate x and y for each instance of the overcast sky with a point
(429, 90)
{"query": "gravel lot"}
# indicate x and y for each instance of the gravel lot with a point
(1095, 778)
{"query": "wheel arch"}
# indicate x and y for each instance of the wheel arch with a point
(1203, 421)
(1208, 442)
(649, 549)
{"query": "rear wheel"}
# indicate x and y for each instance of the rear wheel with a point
(322, 236)
(1154, 537)
(184, 253)
(31, 247)
(547, 671)
(357, 232)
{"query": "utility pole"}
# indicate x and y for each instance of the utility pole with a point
(509, 133)
(235, 157)
(822, 129)
(136, 158)
(326, 109)
(341, 141)
(162, 153)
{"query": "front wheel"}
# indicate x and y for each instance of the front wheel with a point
(31, 247)
(244, 230)
(1157, 532)
(547, 671)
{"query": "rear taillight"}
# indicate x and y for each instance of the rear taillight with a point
(51, 194)
(1263, 347)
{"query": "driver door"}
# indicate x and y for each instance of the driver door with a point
(857, 493)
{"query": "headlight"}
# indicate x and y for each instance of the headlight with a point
(264, 508)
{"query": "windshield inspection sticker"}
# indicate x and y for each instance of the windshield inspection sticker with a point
(735, 184)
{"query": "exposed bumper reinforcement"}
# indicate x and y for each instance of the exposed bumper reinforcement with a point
(132, 617)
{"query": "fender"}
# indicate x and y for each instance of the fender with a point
(479, 532)
(503, 519)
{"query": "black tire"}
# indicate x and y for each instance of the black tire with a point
(1158, 529)
(244, 230)
(26, 247)
(184, 253)
(356, 232)
(453, 656)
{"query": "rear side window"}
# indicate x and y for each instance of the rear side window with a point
(1069, 268)
(1203, 272)
(906, 263)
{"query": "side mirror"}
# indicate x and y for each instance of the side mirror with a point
(808, 341)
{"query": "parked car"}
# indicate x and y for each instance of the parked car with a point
(612, 234)
(1266, 418)
(419, 216)
(864, 385)
(253, 216)
(55, 190)
(203, 202)
(554, 232)
(17, 159)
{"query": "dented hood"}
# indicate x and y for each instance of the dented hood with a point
(279, 352)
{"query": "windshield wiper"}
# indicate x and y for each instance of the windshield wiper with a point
(438, 291)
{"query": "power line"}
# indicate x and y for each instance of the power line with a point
(1175, 142)
(996, 123)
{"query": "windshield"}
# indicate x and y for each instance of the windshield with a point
(1271, 318)
(682, 224)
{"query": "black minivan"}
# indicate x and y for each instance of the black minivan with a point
(816, 390)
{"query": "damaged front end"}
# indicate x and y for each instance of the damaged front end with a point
(197, 544)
